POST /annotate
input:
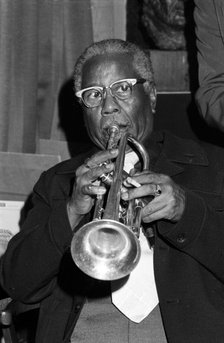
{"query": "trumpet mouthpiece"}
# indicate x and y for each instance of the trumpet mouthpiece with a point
(113, 131)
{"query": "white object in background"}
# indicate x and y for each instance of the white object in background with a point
(10, 213)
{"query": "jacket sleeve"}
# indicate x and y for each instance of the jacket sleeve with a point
(209, 21)
(31, 263)
(199, 233)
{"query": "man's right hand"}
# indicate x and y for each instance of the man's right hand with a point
(85, 188)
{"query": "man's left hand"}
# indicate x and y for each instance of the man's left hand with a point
(169, 204)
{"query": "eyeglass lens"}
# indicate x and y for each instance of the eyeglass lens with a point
(121, 90)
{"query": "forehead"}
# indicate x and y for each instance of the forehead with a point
(105, 69)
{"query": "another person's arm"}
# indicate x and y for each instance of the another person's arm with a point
(209, 16)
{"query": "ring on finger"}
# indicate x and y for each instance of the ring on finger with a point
(158, 190)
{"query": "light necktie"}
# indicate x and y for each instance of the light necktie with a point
(136, 295)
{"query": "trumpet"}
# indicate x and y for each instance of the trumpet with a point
(108, 248)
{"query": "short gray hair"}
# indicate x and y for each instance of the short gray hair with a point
(141, 59)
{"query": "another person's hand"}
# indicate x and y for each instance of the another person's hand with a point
(169, 204)
(85, 187)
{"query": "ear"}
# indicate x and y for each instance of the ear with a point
(153, 97)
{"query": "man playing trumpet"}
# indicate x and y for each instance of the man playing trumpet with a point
(113, 81)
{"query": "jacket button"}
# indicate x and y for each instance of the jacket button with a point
(181, 238)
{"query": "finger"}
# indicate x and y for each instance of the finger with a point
(163, 207)
(142, 191)
(88, 175)
(154, 211)
(101, 157)
(94, 173)
(130, 182)
(154, 216)
(148, 177)
(91, 190)
(143, 172)
(96, 160)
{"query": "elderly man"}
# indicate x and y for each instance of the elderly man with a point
(114, 82)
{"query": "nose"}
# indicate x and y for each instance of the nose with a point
(110, 104)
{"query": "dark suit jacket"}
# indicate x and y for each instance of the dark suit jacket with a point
(209, 20)
(189, 255)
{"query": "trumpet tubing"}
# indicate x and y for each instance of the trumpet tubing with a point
(106, 248)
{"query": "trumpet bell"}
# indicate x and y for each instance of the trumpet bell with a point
(105, 249)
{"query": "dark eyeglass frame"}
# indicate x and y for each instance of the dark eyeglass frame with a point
(131, 82)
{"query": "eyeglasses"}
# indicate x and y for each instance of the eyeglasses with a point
(121, 89)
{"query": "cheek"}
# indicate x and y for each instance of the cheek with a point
(92, 123)
(143, 117)
(90, 119)
(140, 110)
